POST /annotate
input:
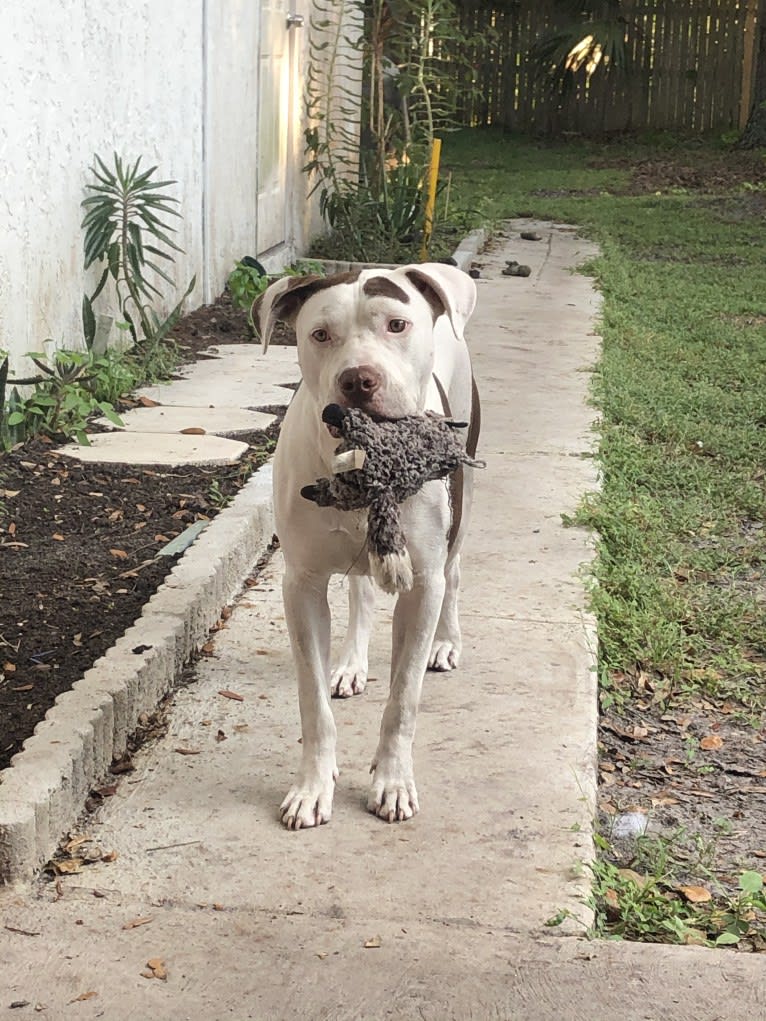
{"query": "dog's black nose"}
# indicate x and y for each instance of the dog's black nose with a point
(358, 385)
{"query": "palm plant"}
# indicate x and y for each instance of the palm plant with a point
(587, 36)
(127, 229)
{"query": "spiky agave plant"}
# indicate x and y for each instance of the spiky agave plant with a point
(126, 227)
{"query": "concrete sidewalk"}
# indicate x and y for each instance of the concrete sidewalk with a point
(438, 918)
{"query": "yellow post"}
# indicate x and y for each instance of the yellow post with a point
(433, 180)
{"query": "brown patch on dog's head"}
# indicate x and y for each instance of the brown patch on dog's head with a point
(287, 304)
(429, 293)
(383, 287)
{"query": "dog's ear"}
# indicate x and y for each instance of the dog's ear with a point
(281, 301)
(447, 289)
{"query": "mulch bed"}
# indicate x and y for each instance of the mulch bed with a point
(79, 544)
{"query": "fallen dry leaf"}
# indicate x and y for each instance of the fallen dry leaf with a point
(9, 668)
(68, 867)
(233, 695)
(711, 743)
(663, 800)
(193, 430)
(84, 996)
(135, 922)
(120, 554)
(188, 751)
(157, 969)
(695, 894)
(58, 537)
(147, 402)
(373, 943)
(634, 877)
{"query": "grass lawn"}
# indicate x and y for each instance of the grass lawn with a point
(681, 389)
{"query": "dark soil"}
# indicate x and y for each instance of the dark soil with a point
(79, 545)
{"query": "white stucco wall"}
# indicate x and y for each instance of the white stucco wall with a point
(174, 82)
(79, 77)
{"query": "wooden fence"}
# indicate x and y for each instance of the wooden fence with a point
(688, 69)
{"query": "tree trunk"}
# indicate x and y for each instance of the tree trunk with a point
(754, 135)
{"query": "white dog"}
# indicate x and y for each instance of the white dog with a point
(391, 343)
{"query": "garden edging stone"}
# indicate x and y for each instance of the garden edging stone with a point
(43, 792)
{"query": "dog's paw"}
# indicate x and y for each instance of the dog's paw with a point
(392, 798)
(348, 679)
(445, 655)
(308, 803)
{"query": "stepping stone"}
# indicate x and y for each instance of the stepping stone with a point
(156, 448)
(225, 389)
(172, 419)
(276, 352)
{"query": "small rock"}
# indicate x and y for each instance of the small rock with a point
(475, 273)
(531, 235)
(629, 824)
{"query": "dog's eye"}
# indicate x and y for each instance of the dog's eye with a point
(320, 336)
(397, 325)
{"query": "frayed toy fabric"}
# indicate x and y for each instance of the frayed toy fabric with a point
(400, 456)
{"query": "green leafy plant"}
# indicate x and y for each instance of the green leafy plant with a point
(127, 229)
(658, 899)
(371, 163)
(62, 400)
(246, 282)
(10, 431)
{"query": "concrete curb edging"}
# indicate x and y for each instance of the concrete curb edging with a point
(469, 248)
(43, 792)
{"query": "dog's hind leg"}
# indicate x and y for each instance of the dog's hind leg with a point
(350, 675)
(309, 800)
(447, 644)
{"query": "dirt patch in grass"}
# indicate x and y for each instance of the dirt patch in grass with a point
(79, 545)
(694, 171)
(696, 770)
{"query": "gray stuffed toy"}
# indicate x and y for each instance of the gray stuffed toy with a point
(379, 464)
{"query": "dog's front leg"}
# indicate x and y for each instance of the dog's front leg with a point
(393, 795)
(309, 800)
